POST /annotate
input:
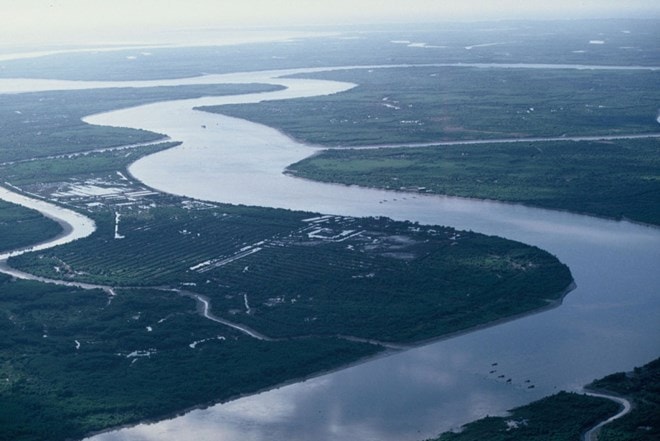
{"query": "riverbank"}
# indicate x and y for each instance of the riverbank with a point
(568, 233)
(559, 417)
(599, 412)
(561, 234)
(342, 350)
(604, 178)
(73, 224)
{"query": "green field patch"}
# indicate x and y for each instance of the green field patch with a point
(43, 124)
(614, 179)
(287, 276)
(34, 173)
(425, 104)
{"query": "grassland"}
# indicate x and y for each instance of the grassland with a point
(49, 123)
(38, 173)
(386, 280)
(614, 179)
(426, 104)
(566, 416)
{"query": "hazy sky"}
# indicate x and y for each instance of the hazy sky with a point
(61, 21)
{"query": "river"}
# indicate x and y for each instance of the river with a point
(74, 225)
(609, 323)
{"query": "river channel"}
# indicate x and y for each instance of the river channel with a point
(609, 323)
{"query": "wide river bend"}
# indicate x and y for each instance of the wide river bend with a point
(609, 323)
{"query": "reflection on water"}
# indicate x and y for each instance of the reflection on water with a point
(609, 323)
(75, 225)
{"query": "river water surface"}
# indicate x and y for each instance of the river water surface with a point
(609, 323)
(75, 226)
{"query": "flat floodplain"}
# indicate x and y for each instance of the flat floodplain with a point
(298, 278)
(311, 292)
(614, 179)
(421, 104)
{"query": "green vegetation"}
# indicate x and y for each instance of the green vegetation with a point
(566, 416)
(615, 179)
(371, 278)
(392, 282)
(310, 278)
(36, 173)
(561, 417)
(20, 227)
(72, 361)
(643, 386)
(427, 104)
(49, 123)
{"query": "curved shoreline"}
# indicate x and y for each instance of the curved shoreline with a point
(390, 349)
(452, 335)
(100, 118)
(74, 225)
